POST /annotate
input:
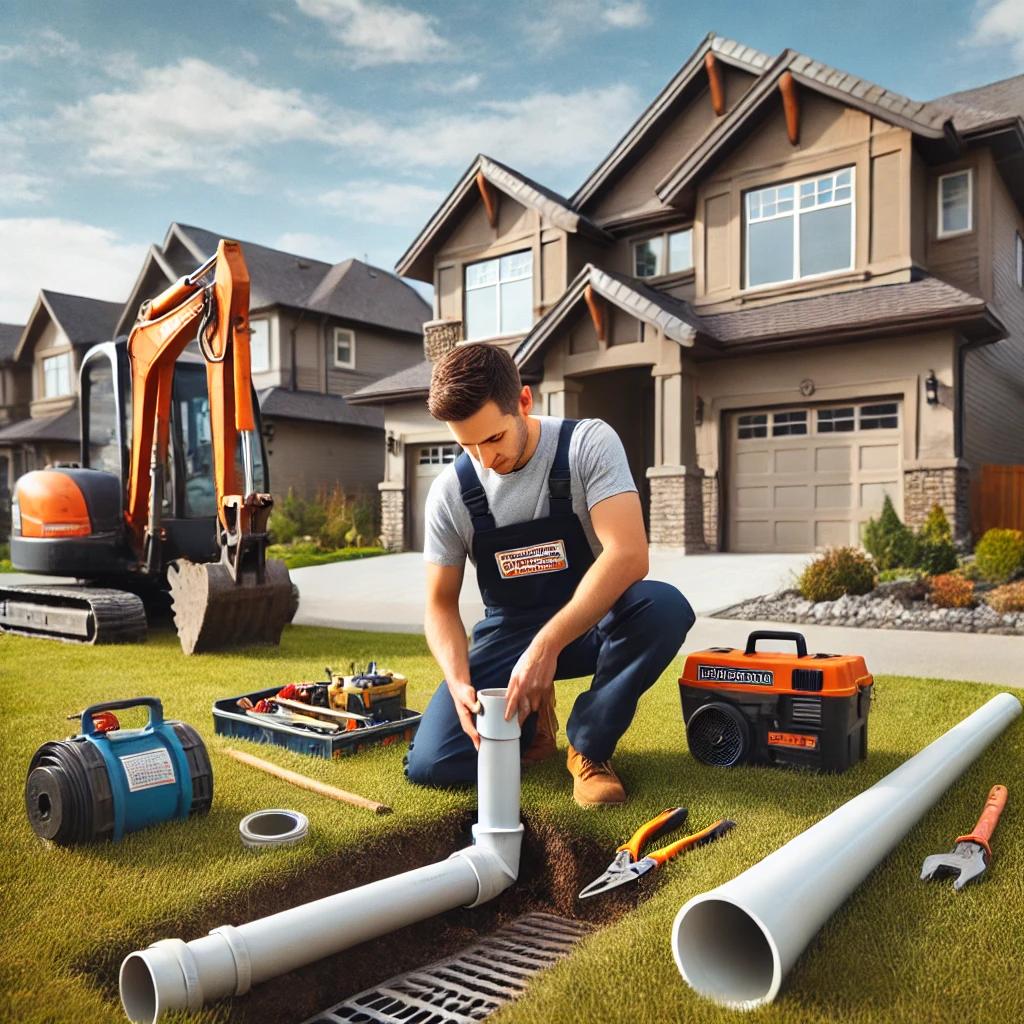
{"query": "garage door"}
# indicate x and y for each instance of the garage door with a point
(427, 460)
(808, 477)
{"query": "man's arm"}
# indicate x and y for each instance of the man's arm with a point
(619, 524)
(446, 637)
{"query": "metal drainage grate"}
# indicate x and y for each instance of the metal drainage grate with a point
(469, 986)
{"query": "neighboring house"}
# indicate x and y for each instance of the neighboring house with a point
(14, 391)
(319, 333)
(790, 290)
(42, 428)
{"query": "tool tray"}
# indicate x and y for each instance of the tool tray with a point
(764, 707)
(230, 720)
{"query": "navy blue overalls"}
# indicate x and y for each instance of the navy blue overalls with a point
(526, 572)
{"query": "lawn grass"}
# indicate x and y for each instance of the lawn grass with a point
(899, 951)
(299, 556)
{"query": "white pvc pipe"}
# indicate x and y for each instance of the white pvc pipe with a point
(736, 943)
(175, 975)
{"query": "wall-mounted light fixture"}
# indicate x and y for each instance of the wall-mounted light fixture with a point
(698, 412)
(931, 388)
(393, 443)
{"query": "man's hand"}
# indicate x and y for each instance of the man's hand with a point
(466, 705)
(531, 680)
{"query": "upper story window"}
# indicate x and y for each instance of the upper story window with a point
(259, 346)
(799, 229)
(955, 203)
(663, 254)
(57, 375)
(499, 296)
(344, 349)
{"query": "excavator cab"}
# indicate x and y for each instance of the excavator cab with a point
(171, 494)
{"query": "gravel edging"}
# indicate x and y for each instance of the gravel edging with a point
(877, 610)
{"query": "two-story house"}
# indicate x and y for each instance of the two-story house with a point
(790, 290)
(41, 380)
(13, 395)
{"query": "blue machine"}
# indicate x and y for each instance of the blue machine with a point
(106, 782)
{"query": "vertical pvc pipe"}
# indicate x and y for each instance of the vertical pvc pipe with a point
(736, 943)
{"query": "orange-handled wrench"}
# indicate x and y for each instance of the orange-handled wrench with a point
(971, 854)
(986, 825)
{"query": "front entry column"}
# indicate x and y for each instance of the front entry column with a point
(560, 398)
(676, 482)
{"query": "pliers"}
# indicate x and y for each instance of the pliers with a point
(627, 865)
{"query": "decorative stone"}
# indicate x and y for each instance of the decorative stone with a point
(440, 337)
(947, 487)
(392, 518)
(677, 509)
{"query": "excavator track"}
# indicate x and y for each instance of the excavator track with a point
(80, 615)
(212, 611)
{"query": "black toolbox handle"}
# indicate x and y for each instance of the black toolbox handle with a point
(777, 634)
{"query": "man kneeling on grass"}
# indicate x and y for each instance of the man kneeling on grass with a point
(547, 510)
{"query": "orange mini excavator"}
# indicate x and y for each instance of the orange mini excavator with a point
(171, 491)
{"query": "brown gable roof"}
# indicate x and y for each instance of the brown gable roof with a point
(83, 320)
(10, 335)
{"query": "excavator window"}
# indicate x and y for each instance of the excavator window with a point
(104, 449)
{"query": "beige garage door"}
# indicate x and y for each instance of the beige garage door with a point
(426, 461)
(808, 477)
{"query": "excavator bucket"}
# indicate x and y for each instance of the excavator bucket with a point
(213, 611)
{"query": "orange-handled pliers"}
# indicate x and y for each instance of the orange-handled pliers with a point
(628, 865)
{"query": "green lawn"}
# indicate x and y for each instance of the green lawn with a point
(899, 951)
(299, 556)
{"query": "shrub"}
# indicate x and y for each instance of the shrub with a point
(999, 555)
(951, 590)
(902, 572)
(935, 553)
(1007, 598)
(296, 517)
(837, 572)
(888, 541)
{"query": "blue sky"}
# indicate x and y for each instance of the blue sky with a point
(332, 128)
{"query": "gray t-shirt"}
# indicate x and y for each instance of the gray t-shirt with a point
(598, 467)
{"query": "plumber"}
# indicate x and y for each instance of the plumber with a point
(547, 511)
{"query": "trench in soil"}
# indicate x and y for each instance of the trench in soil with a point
(554, 866)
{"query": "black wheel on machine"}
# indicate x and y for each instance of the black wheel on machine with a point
(718, 734)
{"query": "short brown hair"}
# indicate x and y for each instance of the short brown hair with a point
(469, 377)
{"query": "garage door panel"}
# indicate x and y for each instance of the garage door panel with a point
(799, 492)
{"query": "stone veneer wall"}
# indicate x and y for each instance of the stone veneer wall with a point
(440, 337)
(712, 513)
(948, 487)
(392, 519)
(677, 511)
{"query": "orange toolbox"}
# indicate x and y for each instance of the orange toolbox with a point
(772, 708)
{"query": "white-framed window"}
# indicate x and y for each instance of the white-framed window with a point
(752, 425)
(837, 421)
(499, 296)
(663, 254)
(344, 349)
(799, 229)
(1019, 256)
(831, 420)
(57, 375)
(439, 454)
(879, 416)
(785, 424)
(955, 203)
(259, 346)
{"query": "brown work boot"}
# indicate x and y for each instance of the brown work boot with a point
(543, 745)
(594, 783)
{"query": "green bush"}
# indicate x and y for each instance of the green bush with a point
(888, 541)
(901, 572)
(934, 551)
(332, 520)
(295, 517)
(837, 572)
(999, 555)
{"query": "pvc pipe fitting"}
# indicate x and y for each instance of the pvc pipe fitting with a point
(273, 827)
(736, 943)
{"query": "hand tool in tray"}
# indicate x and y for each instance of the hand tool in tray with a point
(971, 854)
(628, 865)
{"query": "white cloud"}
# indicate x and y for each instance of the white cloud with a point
(381, 202)
(379, 33)
(47, 44)
(304, 243)
(190, 117)
(452, 86)
(551, 24)
(1000, 23)
(628, 14)
(64, 255)
(18, 183)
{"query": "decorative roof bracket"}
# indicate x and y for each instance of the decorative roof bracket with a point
(790, 106)
(714, 70)
(489, 198)
(598, 312)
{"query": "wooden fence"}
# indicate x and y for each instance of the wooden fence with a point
(999, 499)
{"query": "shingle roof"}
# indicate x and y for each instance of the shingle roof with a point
(318, 407)
(62, 427)
(413, 380)
(10, 334)
(973, 107)
(869, 308)
(85, 321)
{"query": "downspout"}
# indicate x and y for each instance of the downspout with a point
(736, 943)
(172, 975)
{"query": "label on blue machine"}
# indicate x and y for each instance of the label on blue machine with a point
(728, 674)
(148, 769)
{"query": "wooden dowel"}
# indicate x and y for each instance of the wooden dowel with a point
(305, 782)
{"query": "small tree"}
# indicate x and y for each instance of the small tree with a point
(935, 552)
(890, 543)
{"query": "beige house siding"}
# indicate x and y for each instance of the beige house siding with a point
(957, 259)
(51, 341)
(993, 388)
(15, 393)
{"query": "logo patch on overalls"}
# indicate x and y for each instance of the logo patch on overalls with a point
(533, 560)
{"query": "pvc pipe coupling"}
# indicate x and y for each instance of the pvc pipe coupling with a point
(274, 827)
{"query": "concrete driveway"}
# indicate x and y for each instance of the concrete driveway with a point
(386, 593)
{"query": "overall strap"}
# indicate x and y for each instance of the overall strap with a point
(560, 478)
(473, 495)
